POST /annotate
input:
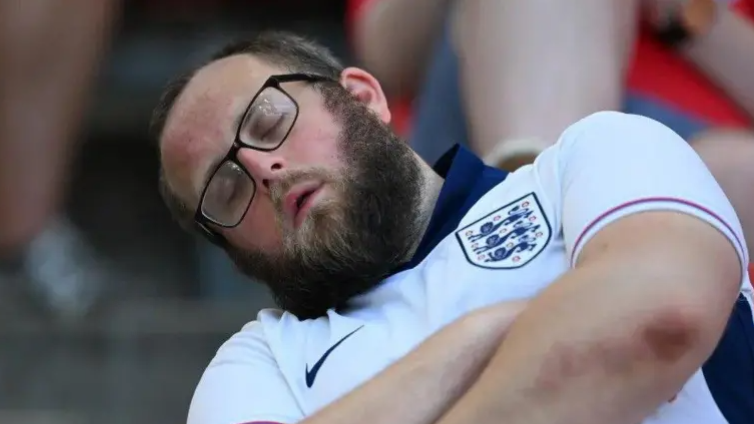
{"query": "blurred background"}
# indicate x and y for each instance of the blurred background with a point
(136, 352)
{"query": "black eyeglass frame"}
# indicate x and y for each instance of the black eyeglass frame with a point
(203, 221)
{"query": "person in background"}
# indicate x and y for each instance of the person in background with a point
(555, 62)
(420, 59)
(690, 68)
(50, 54)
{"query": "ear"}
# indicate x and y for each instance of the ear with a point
(367, 90)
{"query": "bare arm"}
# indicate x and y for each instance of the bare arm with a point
(726, 55)
(530, 68)
(420, 387)
(604, 344)
(658, 257)
(395, 39)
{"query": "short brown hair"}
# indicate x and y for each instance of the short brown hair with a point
(294, 53)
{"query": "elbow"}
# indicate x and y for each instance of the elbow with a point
(690, 322)
(667, 345)
(688, 326)
(686, 298)
(673, 333)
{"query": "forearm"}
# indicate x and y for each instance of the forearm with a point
(395, 39)
(598, 346)
(530, 68)
(726, 55)
(419, 388)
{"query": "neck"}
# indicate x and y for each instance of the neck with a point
(432, 186)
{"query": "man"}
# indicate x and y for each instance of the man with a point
(400, 283)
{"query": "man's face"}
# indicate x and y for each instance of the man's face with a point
(337, 205)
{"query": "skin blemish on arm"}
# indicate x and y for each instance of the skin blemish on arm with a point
(663, 340)
(669, 337)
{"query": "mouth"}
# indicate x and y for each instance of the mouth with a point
(299, 201)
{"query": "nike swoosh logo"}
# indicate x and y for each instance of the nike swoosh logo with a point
(311, 375)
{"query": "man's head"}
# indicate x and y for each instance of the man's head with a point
(316, 196)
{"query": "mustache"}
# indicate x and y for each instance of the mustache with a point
(282, 185)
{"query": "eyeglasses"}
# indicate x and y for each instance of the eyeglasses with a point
(264, 126)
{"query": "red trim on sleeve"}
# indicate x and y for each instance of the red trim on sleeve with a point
(262, 422)
(609, 212)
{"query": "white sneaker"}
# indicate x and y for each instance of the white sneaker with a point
(64, 271)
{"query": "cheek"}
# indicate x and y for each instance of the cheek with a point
(258, 231)
(314, 143)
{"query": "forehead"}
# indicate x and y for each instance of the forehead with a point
(201, 122)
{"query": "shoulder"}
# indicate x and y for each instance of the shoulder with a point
(244, 381)
(243, 346)
(260, 339)
(611, 128)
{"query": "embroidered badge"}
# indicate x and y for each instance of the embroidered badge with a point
(509, 237)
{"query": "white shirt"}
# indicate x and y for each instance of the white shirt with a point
(493, 237)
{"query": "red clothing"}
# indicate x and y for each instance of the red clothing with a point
(658, 71)
(354, 9)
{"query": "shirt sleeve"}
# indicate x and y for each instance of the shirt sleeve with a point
(610, 165)
(243, 385)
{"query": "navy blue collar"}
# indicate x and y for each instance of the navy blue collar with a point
(467, 179)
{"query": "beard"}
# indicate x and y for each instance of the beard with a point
(351, 241)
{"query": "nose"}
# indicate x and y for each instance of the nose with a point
(264, 167)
